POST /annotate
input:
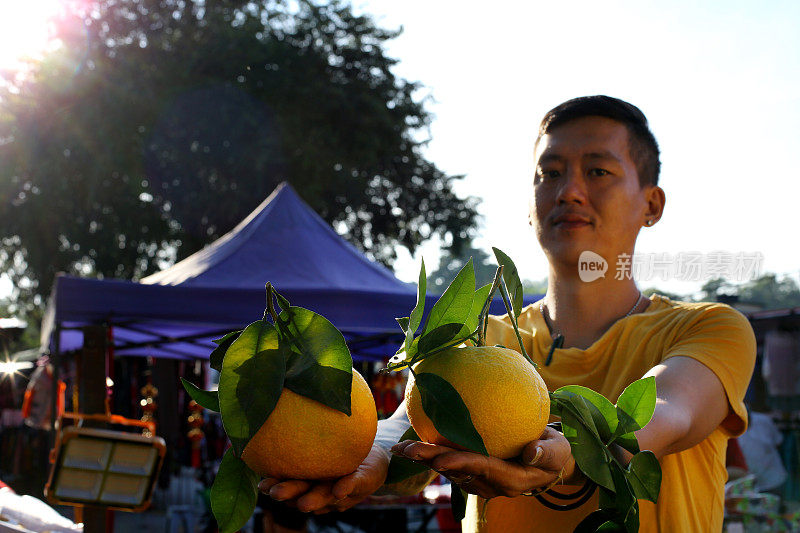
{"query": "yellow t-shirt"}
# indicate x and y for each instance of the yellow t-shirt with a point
(691, 497)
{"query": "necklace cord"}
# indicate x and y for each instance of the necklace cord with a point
(558, 338)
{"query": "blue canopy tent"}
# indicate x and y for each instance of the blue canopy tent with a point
(176, 313)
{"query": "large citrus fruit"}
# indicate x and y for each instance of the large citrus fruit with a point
(304, 439)
(506, 398)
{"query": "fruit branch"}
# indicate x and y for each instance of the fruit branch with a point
(270, 310)
(483, 317)
(512, 316)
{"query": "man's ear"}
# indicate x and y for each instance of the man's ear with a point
(655, 204)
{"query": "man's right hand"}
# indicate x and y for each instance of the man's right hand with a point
(334, 495)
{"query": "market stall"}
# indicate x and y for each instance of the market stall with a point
(161, 328)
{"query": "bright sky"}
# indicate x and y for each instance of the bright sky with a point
(719, 82)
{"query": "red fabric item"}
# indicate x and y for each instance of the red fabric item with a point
(4, 486)
(27, 401)
(734, 455)
(196, 458)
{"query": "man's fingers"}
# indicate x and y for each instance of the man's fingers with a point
(531, 454)
(288, 490)
(462, 462)
(550, 452)
(317, 498)
(419, 451)
(345, 486)
(267, 483)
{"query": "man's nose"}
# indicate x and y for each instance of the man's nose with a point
(572, 188)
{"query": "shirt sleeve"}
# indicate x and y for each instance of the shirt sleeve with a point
(722, 339)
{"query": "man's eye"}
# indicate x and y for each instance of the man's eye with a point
(549, 174)
(598, 172)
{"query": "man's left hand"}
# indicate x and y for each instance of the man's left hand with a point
(542, 462)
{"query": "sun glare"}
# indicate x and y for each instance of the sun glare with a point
(25, 30)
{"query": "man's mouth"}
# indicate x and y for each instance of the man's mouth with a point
(573, 224)
(571, 221)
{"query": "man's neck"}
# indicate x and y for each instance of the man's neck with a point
(582, 311)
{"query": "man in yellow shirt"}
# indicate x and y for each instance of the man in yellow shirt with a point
(596, 186)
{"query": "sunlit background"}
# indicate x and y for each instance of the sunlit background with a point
(719, 81)
(25, 30)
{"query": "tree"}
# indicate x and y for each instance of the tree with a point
(535, 287)
(161, 123)
(715, 287)
(771, 292)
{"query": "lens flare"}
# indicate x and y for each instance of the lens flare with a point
(25, 30)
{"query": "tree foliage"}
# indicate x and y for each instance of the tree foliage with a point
(161, 123)
(771, 291)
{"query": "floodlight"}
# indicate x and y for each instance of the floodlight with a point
(113, 469)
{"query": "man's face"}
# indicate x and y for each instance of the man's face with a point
(586, 193)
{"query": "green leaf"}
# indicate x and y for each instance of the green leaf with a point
(444, 406)
(644, 475)
(604, 408)
(415, 319)
(639, 400)
(511, 279)
(625, 501)
(209, 399)
(471, 324)
(401, 468)
(321, 367)
(627, 426)
(611, 527)
(403, 322)
(441, 336)
(599, 520)
(251, 382)
(402, 358)
(567, 400)
(455, 304)
(589, 454)
(234, 493)
(629, 442)
(327, 385)
(282, 302)
(314, 336)
(216, 357)
(458, 502)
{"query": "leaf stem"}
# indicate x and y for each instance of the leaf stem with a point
(507, 302)
(270, 305)
(482, 319)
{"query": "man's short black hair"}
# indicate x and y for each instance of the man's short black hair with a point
(642, 144)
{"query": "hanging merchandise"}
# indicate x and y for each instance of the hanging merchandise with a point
(387, 391)
(195, 433)
(37, 404)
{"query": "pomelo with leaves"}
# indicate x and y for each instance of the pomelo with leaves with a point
(491, 400)
(505, 422)
(291, 403)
